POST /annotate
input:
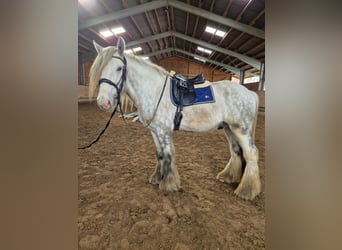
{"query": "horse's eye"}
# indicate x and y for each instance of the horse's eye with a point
(119, 69)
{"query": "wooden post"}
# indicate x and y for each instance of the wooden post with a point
(81, 74)
(262, 77)
(242, 76)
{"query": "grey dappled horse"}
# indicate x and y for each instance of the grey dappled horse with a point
(235, 110)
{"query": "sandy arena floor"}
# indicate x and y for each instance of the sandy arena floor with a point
(119, 209)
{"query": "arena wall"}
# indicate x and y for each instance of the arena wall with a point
(191, 69)
(180, 65)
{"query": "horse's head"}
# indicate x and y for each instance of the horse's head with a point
(113, 75)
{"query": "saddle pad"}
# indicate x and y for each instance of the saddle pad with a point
(204, 94)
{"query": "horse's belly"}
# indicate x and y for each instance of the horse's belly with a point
(200, 118)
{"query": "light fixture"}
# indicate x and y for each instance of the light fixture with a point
(114, 31)
(133, 50)
(106, 33)
(208, 51)
(118, 30)
(87, 3)
(136, 49)
(214, 31)
(220, 33)
(210, 30)
(145, 57)
(199, 59)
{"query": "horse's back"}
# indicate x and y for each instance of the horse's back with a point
(231, 90)
(237, 102)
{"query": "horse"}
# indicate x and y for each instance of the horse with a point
(235, 110)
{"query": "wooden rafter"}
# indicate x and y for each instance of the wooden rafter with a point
(152, 18)
(242, 33)
(225, 12)
(237, 19)
(153, 31)
(206, 21)
(136, 24)
(105, 5)
(186, 23)
(160, 28)
(197, 19)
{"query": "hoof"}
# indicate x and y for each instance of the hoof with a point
(170, 184)
(248, 191)
(154, 179)
(225, 176)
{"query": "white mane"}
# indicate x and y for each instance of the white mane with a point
(146, 62)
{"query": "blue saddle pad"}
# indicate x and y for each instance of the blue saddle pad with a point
(203, 95)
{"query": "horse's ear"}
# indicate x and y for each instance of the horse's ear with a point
(97, 47)
(121, 45)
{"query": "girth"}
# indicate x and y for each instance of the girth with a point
(184, 92)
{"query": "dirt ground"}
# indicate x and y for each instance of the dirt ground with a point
(119, 209)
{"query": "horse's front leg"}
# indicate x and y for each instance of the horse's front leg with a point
(169, 178)
(156, 177)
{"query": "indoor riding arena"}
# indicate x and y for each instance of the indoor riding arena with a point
(118, 207)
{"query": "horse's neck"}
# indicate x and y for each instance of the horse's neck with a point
(144, 85)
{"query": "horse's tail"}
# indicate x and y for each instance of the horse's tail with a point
(255, 117)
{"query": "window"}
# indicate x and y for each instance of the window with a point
(252, 79)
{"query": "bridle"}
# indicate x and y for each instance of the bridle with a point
(118, 86)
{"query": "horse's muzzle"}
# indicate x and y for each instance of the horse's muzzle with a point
(104, 104)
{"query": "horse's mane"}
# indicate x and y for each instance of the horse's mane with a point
(146, 62)
(95, 71)
(101, 61)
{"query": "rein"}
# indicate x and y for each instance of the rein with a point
(118, 86)
(160, 97)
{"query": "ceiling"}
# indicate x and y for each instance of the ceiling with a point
(165, 28)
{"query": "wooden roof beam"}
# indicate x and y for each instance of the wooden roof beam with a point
(128, 12)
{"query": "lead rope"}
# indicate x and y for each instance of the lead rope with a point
(103, 130)
(107, 124)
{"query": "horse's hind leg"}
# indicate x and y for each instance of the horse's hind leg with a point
(233, 171)
(156, 176)
(250, 185)
(166, 173)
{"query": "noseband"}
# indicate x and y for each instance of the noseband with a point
(118, 86)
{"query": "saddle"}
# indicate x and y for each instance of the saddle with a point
(184, 92)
